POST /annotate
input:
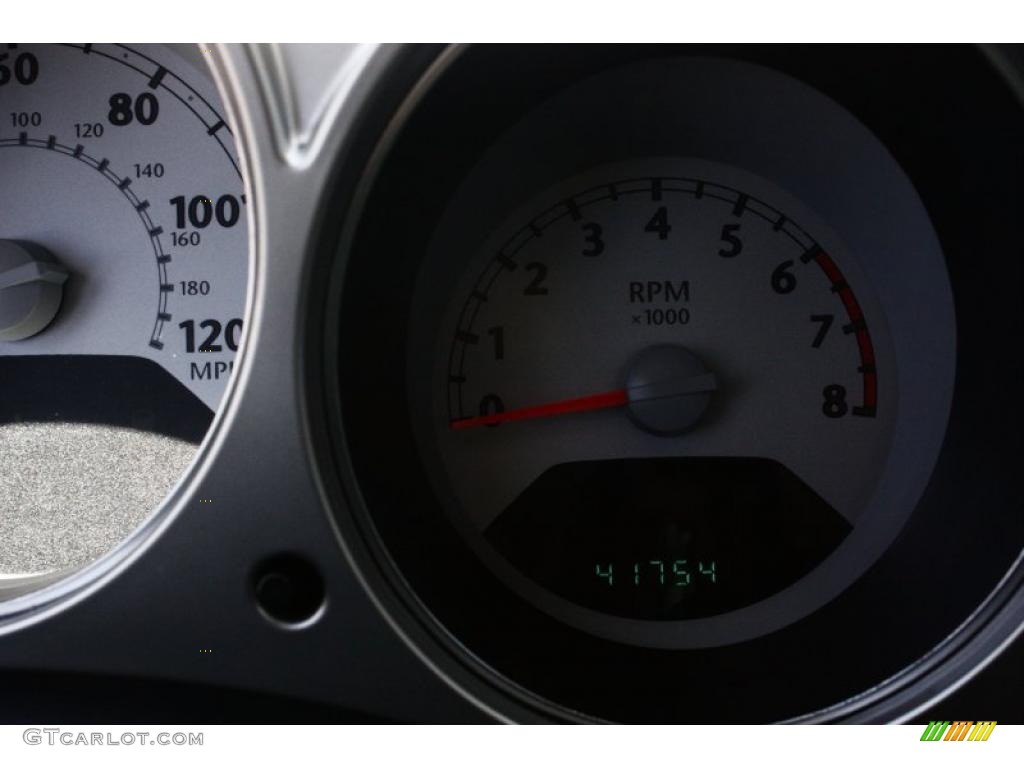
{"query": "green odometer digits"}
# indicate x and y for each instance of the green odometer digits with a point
(664, 396)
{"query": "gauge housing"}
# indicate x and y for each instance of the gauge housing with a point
(882, 635)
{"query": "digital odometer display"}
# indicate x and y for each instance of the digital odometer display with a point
(667, 538)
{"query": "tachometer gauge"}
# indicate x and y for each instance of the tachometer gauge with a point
(664, 392)
(662, 396)
(666, 382)
(123, 276)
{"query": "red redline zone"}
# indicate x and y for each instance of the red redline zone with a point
(863, 336)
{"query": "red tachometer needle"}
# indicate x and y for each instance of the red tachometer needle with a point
(613, 399)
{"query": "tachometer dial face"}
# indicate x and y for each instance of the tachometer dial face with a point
(123, 277)
(649, 383)
(665, 392)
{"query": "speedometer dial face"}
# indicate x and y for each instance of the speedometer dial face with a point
(123, 277)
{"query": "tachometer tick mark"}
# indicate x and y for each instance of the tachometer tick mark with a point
(855, 326)
(506, 262)
(811, 254)
(740, 206)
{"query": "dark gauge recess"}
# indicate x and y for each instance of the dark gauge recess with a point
(674, 395)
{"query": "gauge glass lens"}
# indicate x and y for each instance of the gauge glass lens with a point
(123, 278)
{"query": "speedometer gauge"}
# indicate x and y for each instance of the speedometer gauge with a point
(123, 277)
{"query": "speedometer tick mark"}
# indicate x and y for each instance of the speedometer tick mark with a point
(124, 184)
(167, 288)
(215, 127)
(156, 231)
(163, 258)
(23, 138)
(51, 141)
(79, 149)
(154, 81)
(142, 206)
(104, 164)
(156, 344)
